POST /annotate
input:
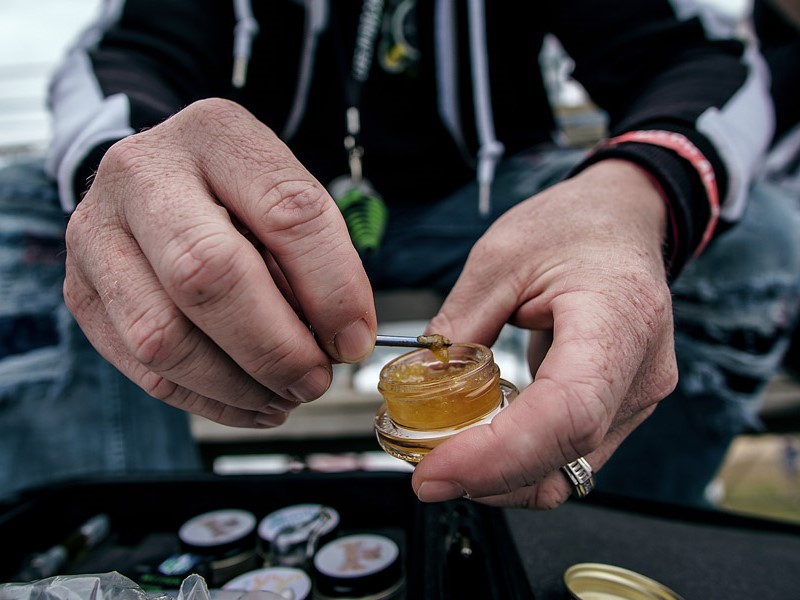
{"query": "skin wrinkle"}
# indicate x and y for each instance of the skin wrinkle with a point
(297, 213)
(164, 369)
(137, 371)
(147, 337)
(576, 337)
(203, 271)
(519, 455)
(271, 359)
(76, 302)
(285, 186)
(322, 255)
(188, 369)
(546, 494)
(161, 387)
(603, 387)
(336, 294)
(509, 486)
(547, 501)
(265, 362)
(128, 163)
(665, 381)
(158, 386)
(580, 442)
(484, 249)
(606, 326)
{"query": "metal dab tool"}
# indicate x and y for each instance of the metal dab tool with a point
(421, 341)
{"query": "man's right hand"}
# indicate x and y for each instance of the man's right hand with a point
(201, 260)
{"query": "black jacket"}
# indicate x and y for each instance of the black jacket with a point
(425, 127)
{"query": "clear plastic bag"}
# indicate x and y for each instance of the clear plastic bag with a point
(115, 586)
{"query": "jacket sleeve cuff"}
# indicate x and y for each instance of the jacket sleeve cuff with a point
(687, 182)
(87, 168)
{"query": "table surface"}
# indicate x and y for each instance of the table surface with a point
(696, 554)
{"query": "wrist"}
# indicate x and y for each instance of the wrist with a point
(692, 205)
(636, 199)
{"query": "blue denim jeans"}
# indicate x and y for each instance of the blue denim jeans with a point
(64, 411)
(735, 309)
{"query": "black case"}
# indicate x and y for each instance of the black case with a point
(456, 549)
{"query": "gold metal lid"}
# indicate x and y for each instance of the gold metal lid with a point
(596, 581)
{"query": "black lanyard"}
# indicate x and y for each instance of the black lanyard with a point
(369, 25)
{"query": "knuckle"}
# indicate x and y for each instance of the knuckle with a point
(270, 421)
(544, 495)
(157, 343)
(77, 227)
(132, 167)
(76, 299)
(205, 271)
(485, 249)
(296, 206)
(213, 110)
(664, 380)
(162, 389)
(652, 302)
(125, 156)
(656, 307)
(589, 419)
(668, 380)
(281, 360)
(548, 497)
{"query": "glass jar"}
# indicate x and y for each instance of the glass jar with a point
(428, 400)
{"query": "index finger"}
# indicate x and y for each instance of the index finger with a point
(258, 178)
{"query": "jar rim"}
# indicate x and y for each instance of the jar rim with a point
(483, 358)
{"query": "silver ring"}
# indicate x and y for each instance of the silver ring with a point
(580, 475)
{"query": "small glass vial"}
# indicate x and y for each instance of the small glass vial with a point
(428, 399)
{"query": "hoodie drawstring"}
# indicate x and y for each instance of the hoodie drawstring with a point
(244, 32)
(447, 91)
(491, 150)
(316, 22)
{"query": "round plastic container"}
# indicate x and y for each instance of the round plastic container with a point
(289, 536)
(286, 582)
(225, 538)
(359, 567)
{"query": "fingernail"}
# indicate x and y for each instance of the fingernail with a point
(311, 385)
(284, 405)
(354, 342)
(439, 491)
(271, 420)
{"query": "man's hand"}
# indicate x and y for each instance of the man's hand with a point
(202, 258)
(580, 264)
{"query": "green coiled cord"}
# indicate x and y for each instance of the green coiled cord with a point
(366, 215)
